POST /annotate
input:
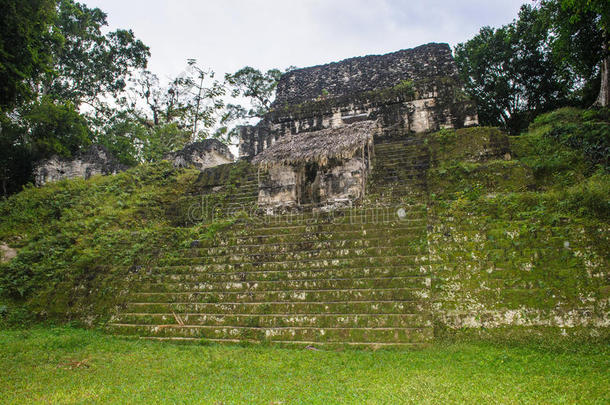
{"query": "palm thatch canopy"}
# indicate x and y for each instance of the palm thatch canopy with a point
(319, 146)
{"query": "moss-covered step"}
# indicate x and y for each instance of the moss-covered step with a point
(299, 245)
(302, 320)
(336, 335)
(282, 308)
(287, 285)
(302, 264)
(352, 294)
(196, 274)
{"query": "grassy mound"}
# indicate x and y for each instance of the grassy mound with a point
(77, 239)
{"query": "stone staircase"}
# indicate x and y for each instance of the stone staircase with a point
(400, 169)
(358, 276)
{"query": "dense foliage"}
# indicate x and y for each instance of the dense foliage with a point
(24, 53)
(551, 56)
(55, 60)
(65, 84)
(511, 73)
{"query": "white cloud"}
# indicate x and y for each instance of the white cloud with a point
(226, 35)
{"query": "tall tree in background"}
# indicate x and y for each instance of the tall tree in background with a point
(89, 66)
(254, 87)
(54, 59)
(581, 31)
(25, 33)
(511, 73)
(158, 118)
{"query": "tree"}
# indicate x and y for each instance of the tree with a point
(54, 59)
(88, 65)
(581, 30)
(15, 157)
(510, 71)
(257, 88)
(47, 128)
(24, 55)
(56, 129)
(206, 100)
(192, 101)
(124, 137)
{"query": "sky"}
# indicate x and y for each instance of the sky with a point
(226, 35)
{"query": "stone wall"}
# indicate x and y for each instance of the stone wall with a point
(201, 155)
(365, 73)
(96, 160)
(336, 185)
(409, 91)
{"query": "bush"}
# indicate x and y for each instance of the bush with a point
(587, 131)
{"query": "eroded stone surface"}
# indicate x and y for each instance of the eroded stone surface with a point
(201, 155)
(96, 160)
(409, 91)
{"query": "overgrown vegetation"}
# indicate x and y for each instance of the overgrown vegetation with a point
(79, 239)
(554, 54)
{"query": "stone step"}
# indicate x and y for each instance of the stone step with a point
(411, 236)
(351, 294)
(281, 238)
(401, 153)
(285, 285)
(409, 143)
(401, 167)
(322, 215)
(387, 256)
(337, 231)
(362, 221)
(397, 183)
(309, 264)
(196, 274)
(281, 307)
(390, 240)
(416, 320)
(402, 246)
(333, 335)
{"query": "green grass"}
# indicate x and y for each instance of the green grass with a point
(42, 365)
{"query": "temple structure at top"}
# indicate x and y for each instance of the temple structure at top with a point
(355, 102)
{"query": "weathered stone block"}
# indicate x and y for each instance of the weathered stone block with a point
(202, 155)
(96, 160)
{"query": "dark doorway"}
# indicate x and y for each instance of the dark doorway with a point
(309, 187)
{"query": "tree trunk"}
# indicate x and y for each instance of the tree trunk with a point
(604, 88)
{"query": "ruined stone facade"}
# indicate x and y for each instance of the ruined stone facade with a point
(331, 186)
(320, 169)
(96, 160)
(201, 155)
(409, 91)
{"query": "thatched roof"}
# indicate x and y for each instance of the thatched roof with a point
(319, 146)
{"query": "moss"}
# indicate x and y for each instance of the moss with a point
(485, 238)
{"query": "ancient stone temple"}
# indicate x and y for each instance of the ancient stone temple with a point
(316, 140)
(384, 233)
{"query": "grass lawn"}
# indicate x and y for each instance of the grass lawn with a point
(65, 365)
